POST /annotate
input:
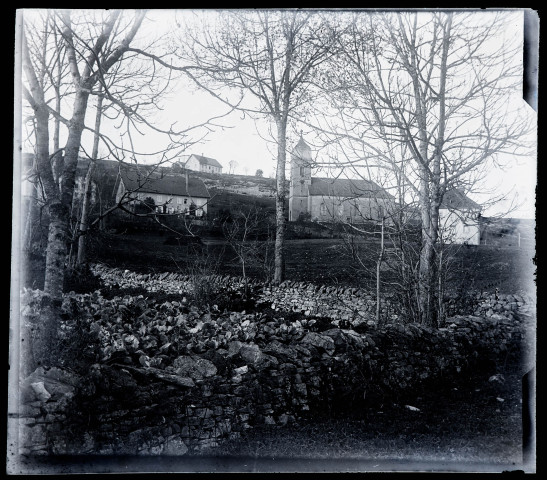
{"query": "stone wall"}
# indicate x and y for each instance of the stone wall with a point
(244, 370)
(277, 377)
(337, 303)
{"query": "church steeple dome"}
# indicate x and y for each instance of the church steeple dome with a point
(302, 147)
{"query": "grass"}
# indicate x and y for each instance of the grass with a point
(321, 261)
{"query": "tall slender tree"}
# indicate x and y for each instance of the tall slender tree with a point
(267, 56)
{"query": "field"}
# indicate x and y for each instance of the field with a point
(321, 261)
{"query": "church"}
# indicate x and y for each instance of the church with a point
(332, 199)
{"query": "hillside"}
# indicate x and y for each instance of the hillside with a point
(240, 184)
(233, 192)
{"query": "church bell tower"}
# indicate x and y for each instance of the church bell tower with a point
(300, 179)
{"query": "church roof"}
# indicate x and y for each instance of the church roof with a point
(455, 199)
(345, 187)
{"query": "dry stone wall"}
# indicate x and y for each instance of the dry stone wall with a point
(337, 303)
(235, 371)
(269, 372)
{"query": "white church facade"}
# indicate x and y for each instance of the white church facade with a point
(332, 199)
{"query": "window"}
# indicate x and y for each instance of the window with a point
(302, 171)
(179, 200)
(185, 201)
(323, 209)
(160, 198)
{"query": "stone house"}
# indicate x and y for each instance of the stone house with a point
(459, 219)
(199, 163)
(171, 193)
(332, 199)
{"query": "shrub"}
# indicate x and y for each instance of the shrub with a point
(81, 280)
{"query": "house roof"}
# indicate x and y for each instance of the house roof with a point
(345, 187)
(455, 199)
(206, 160)
(163, 184)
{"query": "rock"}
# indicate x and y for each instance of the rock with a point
(280, 351)
(241, 370)
(268, 420)
(319, 341)
(301, 389)
(57, 382)
(251, 354)
(337, 335)
(411, 408)
(196, 369)
(234, 347)
(40, 391)
(284, 419)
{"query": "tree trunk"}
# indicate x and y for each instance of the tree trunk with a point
(56, 249)
(428, 270)
(378, 270)
(44, 335)
(86, 201)
(279, 273)
(440, 293)
(86, 204)
(32, 215)
(56, 253)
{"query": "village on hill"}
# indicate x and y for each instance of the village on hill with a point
(197, 187)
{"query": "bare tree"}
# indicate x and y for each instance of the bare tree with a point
(91, 45)
(427, 97)
(60, 199)
(266, 55)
